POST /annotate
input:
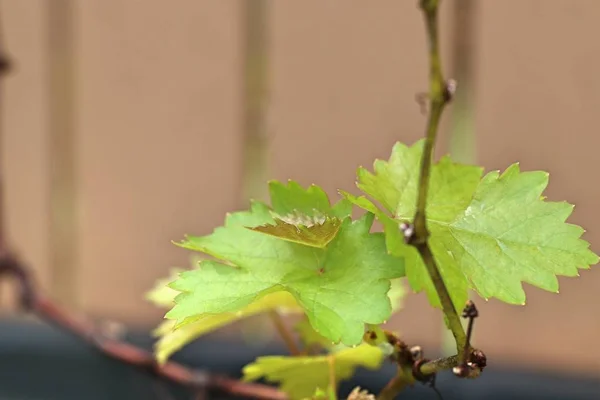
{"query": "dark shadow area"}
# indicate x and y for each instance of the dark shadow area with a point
(39, 362)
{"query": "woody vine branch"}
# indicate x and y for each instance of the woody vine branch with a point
(440, 94)
(468, 362)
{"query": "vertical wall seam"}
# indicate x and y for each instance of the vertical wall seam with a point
(255, 63)
(63, 226)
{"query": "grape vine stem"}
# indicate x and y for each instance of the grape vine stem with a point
(397, 384)
(446, 363)
(284, 333)
(439, 95)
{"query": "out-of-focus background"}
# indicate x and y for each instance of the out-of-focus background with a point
(129, 123)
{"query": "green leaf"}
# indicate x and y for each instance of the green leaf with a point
(311, 338)
(396, 294)
(395, 184)
(340, 288)
(489, 235)
(509, 235)
(298, 376)
(321, 394)
(291, 198)
(316, 231)
(173, 338)
(416, 273)
(259, 214)
(300, 215)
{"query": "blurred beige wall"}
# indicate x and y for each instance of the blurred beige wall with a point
(152, 125)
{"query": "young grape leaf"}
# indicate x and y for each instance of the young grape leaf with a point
(173, 338)
(298, 376)
(316, 231)
(292, 198)
(340, 288)
(304, 216)
(490, 234)
(175, 334)
(321, 394)
(509, 234)
(416, 273)
(259, 214)
(396, 294)
(310, 338)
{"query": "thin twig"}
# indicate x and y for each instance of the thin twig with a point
(439, 96)
(467, 364)
(447, 305)
(440, 93)
(332, 374)
(443, 364)
(470, 312)
(440, 364)
(284, 333)
(35, 302)
(397, 384)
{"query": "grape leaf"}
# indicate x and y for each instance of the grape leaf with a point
(395, 184)
(315, 231)
(311, 338)
(293, 204)
(490, 234)
(304, 216)
(176, 334)
(259, 214)
(509, 234)
(396, 294)
(292, 198)
(321, 394)
(173, 338)
(298, 376)
(416, 273)
(340, 288)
